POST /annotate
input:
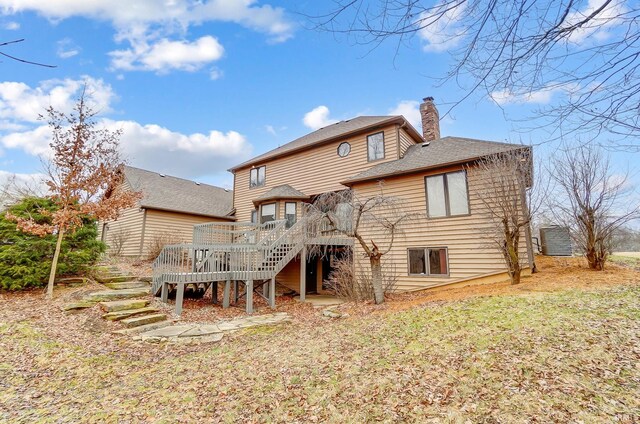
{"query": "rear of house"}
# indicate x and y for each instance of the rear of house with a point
(448, 239)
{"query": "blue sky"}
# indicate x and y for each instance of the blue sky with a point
(197, 88)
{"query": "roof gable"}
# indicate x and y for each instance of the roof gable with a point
(331, 133)
(175, 194)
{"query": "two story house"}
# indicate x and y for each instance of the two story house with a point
(433, 176)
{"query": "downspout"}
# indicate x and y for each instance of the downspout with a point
(398, 140)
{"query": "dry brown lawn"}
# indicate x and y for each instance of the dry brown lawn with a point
(564, 346)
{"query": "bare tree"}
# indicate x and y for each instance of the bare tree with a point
(510, 203)
(592, 201)
(15, 187)
(584, 52)
(17, 59)
(82, 175)
(348, 214)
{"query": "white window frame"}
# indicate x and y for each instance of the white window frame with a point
(369, 159)
(256, 171)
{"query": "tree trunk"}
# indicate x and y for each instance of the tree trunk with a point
(54, 265)
(376, 279)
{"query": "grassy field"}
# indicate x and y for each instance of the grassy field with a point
(568, 355)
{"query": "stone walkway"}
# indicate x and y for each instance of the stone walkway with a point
(205, 333)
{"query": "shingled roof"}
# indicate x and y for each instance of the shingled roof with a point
(438, 153)
(330, 133)
(174, 194)
(284, 191)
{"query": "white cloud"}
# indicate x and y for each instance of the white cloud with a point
(599, 27)
(19, 103)
(318, 118)
(215, 73)
(154, 28)
(440, 29)
(270, 130)
(67, 48)
(164, 55)
(147, 146)
(11, 26)
(410, 109)
(542, 96)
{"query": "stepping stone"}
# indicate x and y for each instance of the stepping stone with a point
(127, 313)
(78, 305)
(143, 328)
(122, 305)
(143, 320)
(115, 278)
(145, 278)
(71, 281)
(116, 294)
(127, 285)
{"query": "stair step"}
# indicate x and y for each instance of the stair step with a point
(78, 305)
(143, 328)
(127, 285)
(120, 278)
(128, 313)
(123, 305)
(143, 320)
(116, 294)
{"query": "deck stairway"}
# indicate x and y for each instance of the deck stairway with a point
(250, 254)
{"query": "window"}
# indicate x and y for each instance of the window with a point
(344, 149)
(375, 146)
(447, 194)
(268, 213)
(257, 176)
(290, 213)
(432, 261)
(254, 216)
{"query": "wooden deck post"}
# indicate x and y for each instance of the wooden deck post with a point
(236, 292)
(248, 286)
(179, 298)
(214, 292)
(272, 293)
(164, 296)
(303, 273)
(226, 295)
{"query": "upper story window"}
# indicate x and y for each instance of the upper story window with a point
(257, 176)
(344, 149)
(447, 194)
(375, 146)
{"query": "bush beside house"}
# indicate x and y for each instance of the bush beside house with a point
(25, 259)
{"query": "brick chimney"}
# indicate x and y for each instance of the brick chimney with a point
(430, 119)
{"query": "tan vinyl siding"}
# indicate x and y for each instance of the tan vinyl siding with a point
(178, 226)
(405, 141)
(290, 275)
(312, 171)
(128, 227)
(471, 251)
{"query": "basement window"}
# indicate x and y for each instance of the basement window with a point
(257, 176)
(428, 261)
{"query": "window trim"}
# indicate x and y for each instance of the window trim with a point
(383, 147)
(254, 216)
(257, 169)
(427, 266)
(295, 213)
(447, 205)
(275, 212)
(342, 144)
